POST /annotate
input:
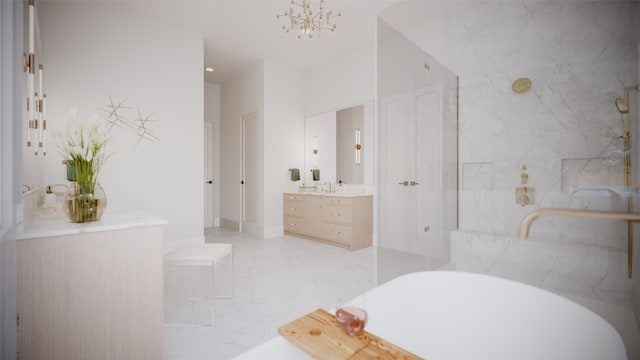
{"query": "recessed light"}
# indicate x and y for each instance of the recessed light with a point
(208, 69)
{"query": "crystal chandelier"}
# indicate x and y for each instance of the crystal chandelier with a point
(306, 21)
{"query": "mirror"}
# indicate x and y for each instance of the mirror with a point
(331, 145)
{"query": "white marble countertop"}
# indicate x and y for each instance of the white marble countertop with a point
(337, 193)
(115, 217)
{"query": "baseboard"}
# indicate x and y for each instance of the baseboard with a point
(232, 225)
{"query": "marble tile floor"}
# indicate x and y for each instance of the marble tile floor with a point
(278, 280)
(275, 281)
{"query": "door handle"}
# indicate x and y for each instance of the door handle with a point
(209, 182)
(404, 183)
(413, 183)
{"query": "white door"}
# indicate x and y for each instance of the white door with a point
(411, 181)
(398, 166)
(249, 183)
(429, 171)
(208, 174)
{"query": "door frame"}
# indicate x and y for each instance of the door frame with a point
(208, 175)
(244, 226)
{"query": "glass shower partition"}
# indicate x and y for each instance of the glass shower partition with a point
(417, 157)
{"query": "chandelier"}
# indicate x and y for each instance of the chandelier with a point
(306, 21)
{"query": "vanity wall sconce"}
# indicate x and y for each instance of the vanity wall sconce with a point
(358, 147)
(315, 152)
(36, 100)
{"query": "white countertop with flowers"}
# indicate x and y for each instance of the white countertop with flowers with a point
(115, 217)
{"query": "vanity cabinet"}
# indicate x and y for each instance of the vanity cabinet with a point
(86, 293)
(337, 220)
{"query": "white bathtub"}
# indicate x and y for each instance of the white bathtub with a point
(442, 315)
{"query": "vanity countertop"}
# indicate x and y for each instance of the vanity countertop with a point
(115, 217)
(337, 193)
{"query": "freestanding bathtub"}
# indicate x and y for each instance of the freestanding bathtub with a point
(442, 315)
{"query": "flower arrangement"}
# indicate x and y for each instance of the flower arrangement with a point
(83, 145)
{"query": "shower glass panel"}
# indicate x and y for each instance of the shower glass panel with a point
(417, 157)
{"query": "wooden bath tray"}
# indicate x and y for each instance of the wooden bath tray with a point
(319, 334)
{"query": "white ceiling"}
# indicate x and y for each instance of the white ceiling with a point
(239, 32)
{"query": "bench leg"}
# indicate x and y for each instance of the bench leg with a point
(188, 295)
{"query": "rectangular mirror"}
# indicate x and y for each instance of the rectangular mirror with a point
(340, 144)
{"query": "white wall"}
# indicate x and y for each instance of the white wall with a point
(342, 83)
(96, 50)
(346, 81)
(212, 115)
(239, 96)
(283, 140)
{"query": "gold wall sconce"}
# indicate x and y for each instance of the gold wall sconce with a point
(36, 100)
(358, 147)
(315, 152)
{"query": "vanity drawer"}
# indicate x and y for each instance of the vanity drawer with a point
(339, 233)
(293, 224)
(336, 200)
(293, 197)
(339, 214)
(294, 208)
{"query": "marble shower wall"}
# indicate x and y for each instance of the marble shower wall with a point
(579, 56)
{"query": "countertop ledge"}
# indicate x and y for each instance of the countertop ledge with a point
(335, 194)
(115, 217)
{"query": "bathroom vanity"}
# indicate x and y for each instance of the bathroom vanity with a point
(92, 290)
(341, 220)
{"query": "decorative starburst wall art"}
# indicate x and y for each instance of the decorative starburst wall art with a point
(140, 125)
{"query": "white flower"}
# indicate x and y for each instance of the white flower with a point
(83, 144)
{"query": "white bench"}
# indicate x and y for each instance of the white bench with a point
(194, 276)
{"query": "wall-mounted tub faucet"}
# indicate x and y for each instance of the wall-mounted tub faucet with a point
(623, 107)
(525, 224)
